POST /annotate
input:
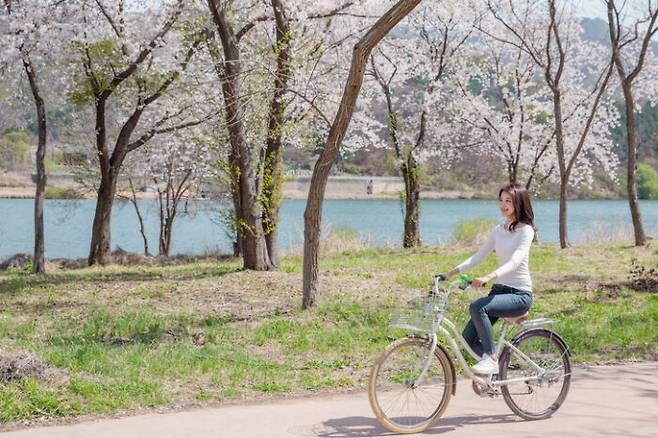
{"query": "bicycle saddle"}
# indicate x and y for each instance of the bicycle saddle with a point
(517, 319)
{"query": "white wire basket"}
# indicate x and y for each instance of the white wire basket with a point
(420, 313)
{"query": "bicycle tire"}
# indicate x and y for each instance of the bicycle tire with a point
(406, 357)
(538, 344)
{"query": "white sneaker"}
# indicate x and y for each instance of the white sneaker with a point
(486, 366)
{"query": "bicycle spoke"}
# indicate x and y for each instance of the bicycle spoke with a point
(405, 402)
(544, 391)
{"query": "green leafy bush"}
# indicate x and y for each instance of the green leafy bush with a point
(55, 163)
(14, 149)
(647, 182)
(351, 169)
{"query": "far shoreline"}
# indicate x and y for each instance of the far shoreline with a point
(295, 187)
(448, 195)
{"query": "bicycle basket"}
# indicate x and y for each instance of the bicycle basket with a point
(419, 314)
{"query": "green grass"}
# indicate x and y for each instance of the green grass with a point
(138, 336)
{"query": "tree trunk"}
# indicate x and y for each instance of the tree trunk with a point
(142, 229)
(163, 219)
(99, 252)
(411, 202)
(408, 168)
(640, 238)
(255, 255)
(238, 244)
(271, 239)
(511, 172)
(313, 212)
(234, 154)
(564, 241)
(168, 213)
(614, 28)
(564, 170)
(250, 216)
(554, 84)
(272, 180)
(255, 248)
(39, 262)
(165, 241)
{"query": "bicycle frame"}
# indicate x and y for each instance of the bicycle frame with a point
(439, 326)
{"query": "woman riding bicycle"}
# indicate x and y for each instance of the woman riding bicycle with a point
(511, 294)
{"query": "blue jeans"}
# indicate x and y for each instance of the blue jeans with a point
(502, 302)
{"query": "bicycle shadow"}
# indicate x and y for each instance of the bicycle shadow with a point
(349, 427)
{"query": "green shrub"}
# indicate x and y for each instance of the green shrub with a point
(471, 231)
(351, 169)
(14, 149)
(647, 182)
(62, 193)
(55, 164)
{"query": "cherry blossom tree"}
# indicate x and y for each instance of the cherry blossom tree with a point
(34, 32)
(313, 212)
(178, 166)
(502, 106)
(130, 71)
(409, 71)
(582, 114)
(128, 168)
(244, 158)
(631, 52)
(265, 58)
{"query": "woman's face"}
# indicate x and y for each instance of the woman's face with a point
(506, 205)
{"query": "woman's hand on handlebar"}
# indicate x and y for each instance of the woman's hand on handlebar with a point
(447, 275)
(482, 281)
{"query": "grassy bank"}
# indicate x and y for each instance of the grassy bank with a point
(121, 338)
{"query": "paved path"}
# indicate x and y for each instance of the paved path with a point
(614, 401)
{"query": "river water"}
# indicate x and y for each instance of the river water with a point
(200, 229)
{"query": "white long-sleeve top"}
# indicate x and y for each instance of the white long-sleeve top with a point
(512, 249)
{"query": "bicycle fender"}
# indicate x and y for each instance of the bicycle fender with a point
(553, 334)
(452, 366)
(452, 369)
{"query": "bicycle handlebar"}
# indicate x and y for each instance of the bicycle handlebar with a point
(464, 279)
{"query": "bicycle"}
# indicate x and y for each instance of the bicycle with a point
(412, 381)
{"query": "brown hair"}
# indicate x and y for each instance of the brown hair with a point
(522, 207)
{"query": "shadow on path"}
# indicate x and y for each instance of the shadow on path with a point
(367, 426)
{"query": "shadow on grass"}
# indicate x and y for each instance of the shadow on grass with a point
(367, 426)
(17, 283)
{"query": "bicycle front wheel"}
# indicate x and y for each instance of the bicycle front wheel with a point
(535, 393)
(401, 402)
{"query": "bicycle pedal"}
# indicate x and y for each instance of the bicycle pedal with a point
(484, 391)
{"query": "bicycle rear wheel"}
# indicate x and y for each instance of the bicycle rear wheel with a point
(543, 392)
(399, 403)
